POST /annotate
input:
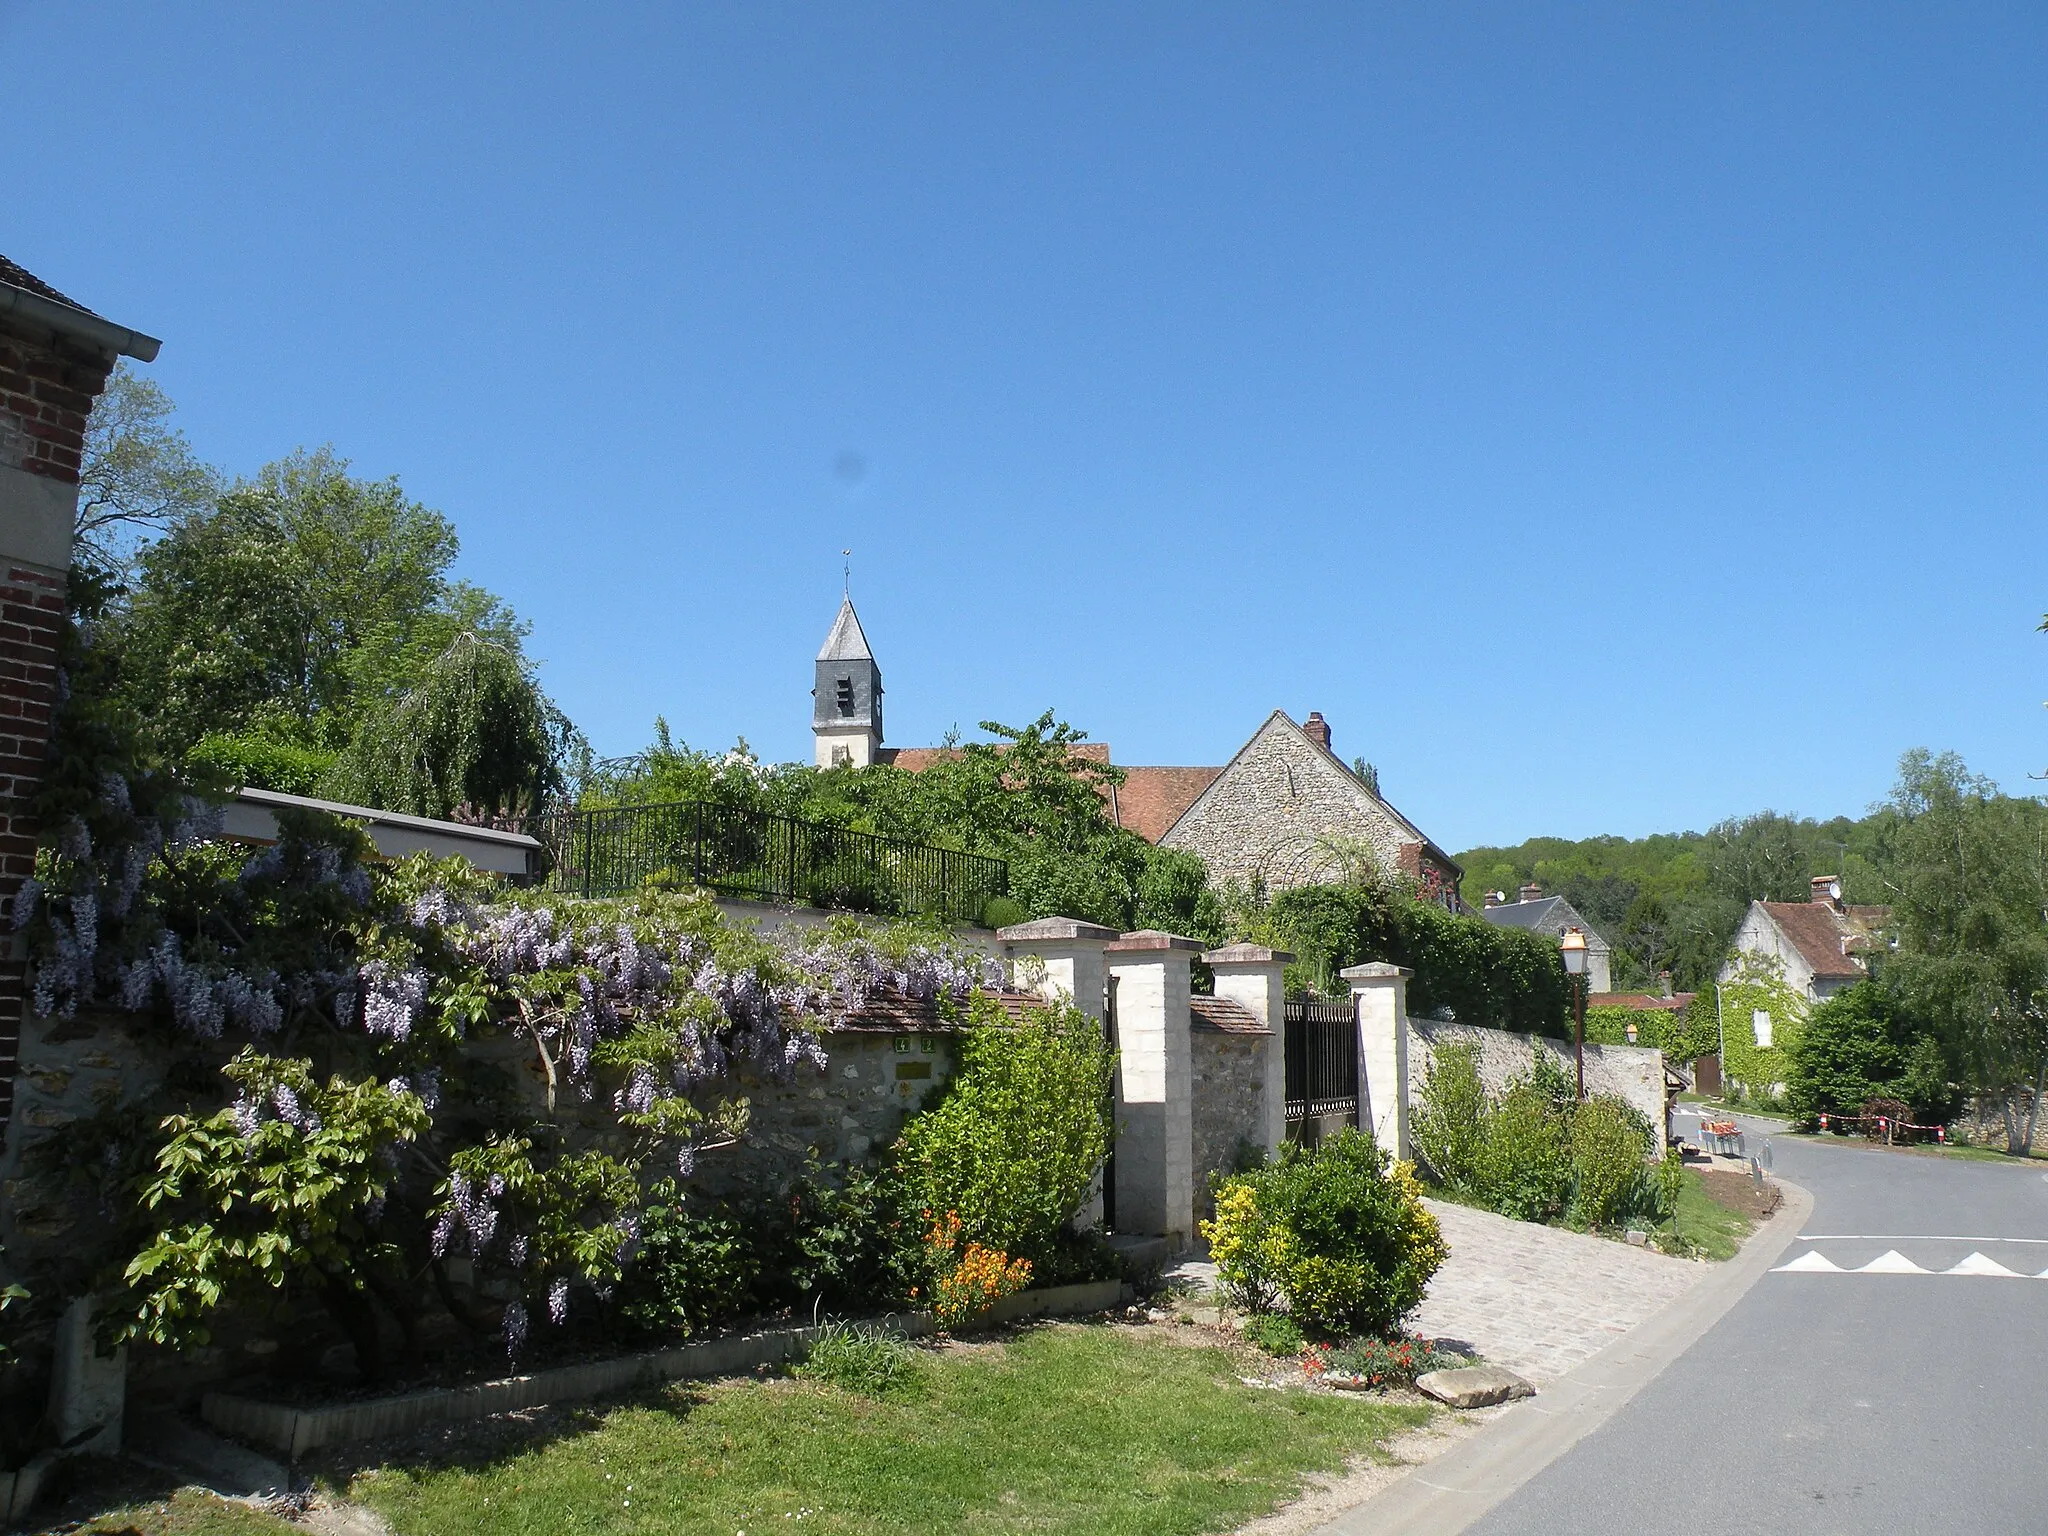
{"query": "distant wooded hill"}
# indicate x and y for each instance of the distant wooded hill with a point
(1672, 901)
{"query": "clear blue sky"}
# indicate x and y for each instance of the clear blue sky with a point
(1612, 419)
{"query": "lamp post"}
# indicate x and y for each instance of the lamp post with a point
(1572, 945)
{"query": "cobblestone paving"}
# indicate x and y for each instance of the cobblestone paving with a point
(1537, 1300)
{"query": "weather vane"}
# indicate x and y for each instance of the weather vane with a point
(846, 574)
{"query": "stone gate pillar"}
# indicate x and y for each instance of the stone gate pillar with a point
(1155, 1147)
(1379, 999)
(1059, 958)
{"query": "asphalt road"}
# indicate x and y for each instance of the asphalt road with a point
(1831, 1401)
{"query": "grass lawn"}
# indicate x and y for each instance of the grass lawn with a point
(1706, 1224)
(1062, 1428)
(187, 1512)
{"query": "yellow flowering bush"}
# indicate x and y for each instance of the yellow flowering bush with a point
(1339, 1233)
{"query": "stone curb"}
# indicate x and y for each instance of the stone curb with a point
(295, 1431)
(1446, 1496)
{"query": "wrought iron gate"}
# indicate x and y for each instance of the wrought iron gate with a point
(1322, 1059)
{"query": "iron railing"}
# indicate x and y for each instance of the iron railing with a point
(762, 857)
(1321, 1048)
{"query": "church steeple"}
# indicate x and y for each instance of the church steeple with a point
(846, 703)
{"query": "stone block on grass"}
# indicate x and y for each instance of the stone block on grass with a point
(1473, 1386)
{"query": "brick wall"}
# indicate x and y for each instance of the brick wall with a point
(47, 386)
(31, 607)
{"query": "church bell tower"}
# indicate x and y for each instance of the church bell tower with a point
(846, 703)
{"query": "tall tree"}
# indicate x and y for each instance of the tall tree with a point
(1969, 877)
(295, 604)
(139, 475)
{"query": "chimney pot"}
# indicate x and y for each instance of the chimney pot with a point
(1318, 729)
(1664, 981)
(1531, 892)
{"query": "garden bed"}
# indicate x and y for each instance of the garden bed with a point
(295, 1430)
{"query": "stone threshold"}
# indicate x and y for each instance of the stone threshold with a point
(296, 1431)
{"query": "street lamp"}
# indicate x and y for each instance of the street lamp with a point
(1572, 945)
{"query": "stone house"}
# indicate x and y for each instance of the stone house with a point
(1550, 916)
(1821, 944)
(1285, 811)
(55, 355)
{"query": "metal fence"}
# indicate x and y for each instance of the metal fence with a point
(764, 858)
(1322, 1059)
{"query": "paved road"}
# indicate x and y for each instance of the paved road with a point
(1832, 1401)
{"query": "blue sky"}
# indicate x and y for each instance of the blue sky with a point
(1611, 417)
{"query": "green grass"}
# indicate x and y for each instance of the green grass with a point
(1707, 1226)
(1066, 1428)
(188, 1512)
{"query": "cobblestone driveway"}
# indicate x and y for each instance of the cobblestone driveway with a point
(1538, 1300)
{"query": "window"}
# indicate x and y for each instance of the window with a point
(846, 696)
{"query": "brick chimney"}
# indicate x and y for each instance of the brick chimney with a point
(1531, 892)
(1826, 890)
(1318, 729)
(1664, 983)
(1495, 898)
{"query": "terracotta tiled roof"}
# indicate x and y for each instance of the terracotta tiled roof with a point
(917, 759)
(892, 1013)
(20, 277)
(1221, 1014)
(1819, 933)
(1641, 1002)
(1151, 800)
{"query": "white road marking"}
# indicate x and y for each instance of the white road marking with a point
(1977, 1264)
(1812, 1262)
(1909, 1237)
(1892, 1262)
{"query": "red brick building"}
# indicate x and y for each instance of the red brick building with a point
(55, 355)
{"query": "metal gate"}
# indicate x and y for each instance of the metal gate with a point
(1322, 1059)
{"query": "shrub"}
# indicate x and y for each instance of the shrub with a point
(1670, 1180)
(1013, 1146)
(1355, 1245)
(1274, 1332)
(1608, 1145)
(1450, 1127)
(856, 1357)
(843, 1242)
(1247, 1246)
(695, 1270)
(968, 1278)
(1526, 1167)
(1391, 1362)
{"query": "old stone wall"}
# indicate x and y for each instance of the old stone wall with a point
(1632, 1073)
(1229, 1104)
(1285, 813)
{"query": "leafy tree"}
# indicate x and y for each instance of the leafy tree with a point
(474, 736)
(138, 474)
(1859, 1045)
(295, 604)
(1970, 881)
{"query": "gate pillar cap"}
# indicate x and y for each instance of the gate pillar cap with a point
(1064, 930)
(1246, 954)
(1146, 940)
(1374, 970)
